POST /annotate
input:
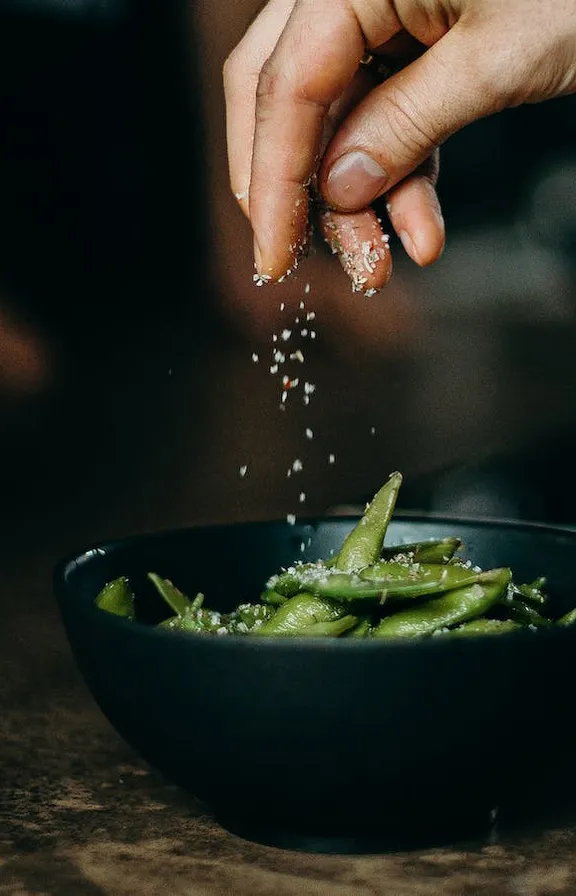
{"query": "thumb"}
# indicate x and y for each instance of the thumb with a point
(401, 122)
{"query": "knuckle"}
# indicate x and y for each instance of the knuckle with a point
(408, 124)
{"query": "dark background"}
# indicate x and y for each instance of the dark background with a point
(128, 316)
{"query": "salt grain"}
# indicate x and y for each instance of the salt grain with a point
(297, 465)
(302, 305)
(312, 334)
(255, 357)
(310, 315)
(309, 388)
(274, 368)
(307, 288)
(304, 333)
(291, 519)
(282, 306)
(297, 356)
(243, 470)
(302, 497)
(308, 433)
(286, 334)
(331, 458)
(372, 430)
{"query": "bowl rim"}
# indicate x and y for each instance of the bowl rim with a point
(71, 561)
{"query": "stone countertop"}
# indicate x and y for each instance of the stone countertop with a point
(80, 815)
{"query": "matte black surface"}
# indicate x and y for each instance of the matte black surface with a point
(330, 737)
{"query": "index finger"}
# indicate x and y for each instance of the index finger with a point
(312, 63)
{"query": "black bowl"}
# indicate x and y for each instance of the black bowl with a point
(295, 738)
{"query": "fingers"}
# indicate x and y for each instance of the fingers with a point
(399, 124)
(312, 63)
(241, 73)
(361, 246)
(414, 212)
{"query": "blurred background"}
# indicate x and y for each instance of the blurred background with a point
(129, 399)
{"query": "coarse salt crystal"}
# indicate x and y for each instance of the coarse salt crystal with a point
(310, 315)
(308, 433)
(286, 334)
(309, 388)
(243, 470)
(297, 465)
(302, 305)
(274, 337)
(306, 399)
(291, 519)
(372, 430)
(307, 288)
(284, 396)
(279, 356)
(304, 332)
(331, 458)
(312, 334)
(297, 356)
(302, 497)
(282, 306)
(255, 357)
(273, 368)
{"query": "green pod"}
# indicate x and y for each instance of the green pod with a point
(246, 618)
(533, 592)
(289, 582)
(196, 622)
(341, 586)
(523, 612)
(364, 543)
(329, 629)
(361, 630)
(434, 551)
(483, 627)
(177, 601)
(450, 609)
(117, 598)
(299, 613)
(272, 598)
(402, 580)
(568, 618)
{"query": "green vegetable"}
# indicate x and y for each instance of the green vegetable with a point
(173, 597)
(299, 613)
(450, 609)
(434, 551)
(116, 597)
(367, 590)
(364, 543)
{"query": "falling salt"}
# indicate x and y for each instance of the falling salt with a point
(282, 306)
(307, 288)
(297, 465)
(291, 519)
(304, 333)
(273, 368)
(312, 334)
(279, 356)
(284, 396)
(302, 305)
(331, 458)
(297, 356)
(255, 357)
(243, 470)
(302, 497)
(310, 315)
(286, 334)
(274, 337)
(309, 388)
(308, 433)
(372, 430)
(306, 399)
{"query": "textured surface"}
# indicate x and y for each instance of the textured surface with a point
(80, 815)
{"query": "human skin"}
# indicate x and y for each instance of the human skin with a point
(300, 113)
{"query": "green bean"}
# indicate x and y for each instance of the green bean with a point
(299, 613)
(434, 551)
(453, 607)
(271, 597)
(177, 601)
(533, 591)
(401, 580)
(247, 618)
(116, 597)
(202, 621)
(289, 582)
(568, 618)
(363, 544)
(361, 630)
(329, 629)
(522, 611)
(483, 627)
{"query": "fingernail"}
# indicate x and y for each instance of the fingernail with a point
(354, 181)
(409, 245)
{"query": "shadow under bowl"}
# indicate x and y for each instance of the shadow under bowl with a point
(329, 743)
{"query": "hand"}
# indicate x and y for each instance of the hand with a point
(299, 112)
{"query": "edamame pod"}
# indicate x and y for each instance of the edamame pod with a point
(434, 551)
(299, 613)
(116, 597)
(177, 601)
(451, 608)
(418, 579)
(364, 543)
